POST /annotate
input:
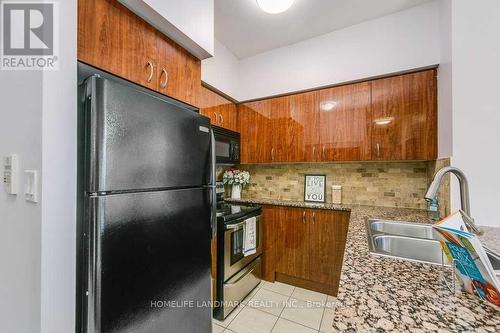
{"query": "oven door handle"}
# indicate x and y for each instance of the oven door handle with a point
(235, 226)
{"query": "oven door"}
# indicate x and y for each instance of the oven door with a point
(234, 260)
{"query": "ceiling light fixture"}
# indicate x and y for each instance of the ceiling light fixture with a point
(275, 6)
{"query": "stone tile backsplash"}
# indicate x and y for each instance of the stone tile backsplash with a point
(390, 184)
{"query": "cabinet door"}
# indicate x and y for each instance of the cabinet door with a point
(210, 103)
(221, 111)
(179, 73)
(302, 130)
(279, 118)
(405, 117)
(228, 116)
(292, 243)
(345, 122)
(112, 38)
(270, 223)
(256, 133)
(328, 233)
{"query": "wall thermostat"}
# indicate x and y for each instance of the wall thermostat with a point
(10, 172)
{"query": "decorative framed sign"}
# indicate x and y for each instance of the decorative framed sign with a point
(314, 188)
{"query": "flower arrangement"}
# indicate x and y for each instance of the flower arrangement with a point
(236, 177)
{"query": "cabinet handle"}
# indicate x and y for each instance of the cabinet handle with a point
(304, 216)
(323, 153)
(272, 154)
(314, 152)
(216, 118)
(221, 119)
(378, 149)
(164, 83)
(314, 217)
(151, 71)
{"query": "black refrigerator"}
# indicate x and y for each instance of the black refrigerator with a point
(145, 212)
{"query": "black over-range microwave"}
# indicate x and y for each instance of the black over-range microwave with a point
(227, 146)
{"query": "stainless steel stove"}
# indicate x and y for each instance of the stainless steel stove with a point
(237, 275)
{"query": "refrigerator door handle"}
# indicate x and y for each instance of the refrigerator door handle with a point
(213, 187)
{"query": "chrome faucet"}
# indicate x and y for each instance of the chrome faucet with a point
(464, 194)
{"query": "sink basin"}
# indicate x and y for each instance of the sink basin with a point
(405, 240)
(494, 259)
(411, 241)
(410, 248)
(401, 228)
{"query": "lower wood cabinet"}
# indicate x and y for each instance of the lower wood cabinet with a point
(305, 247)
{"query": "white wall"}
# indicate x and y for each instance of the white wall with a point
(401, 41)
(445, 83)
(37, 241)
(59, 144)
(222, 71)
(20, 222)
(476, 103)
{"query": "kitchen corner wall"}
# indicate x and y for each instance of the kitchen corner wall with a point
(390, 184)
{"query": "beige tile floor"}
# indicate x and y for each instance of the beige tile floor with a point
(280, 308)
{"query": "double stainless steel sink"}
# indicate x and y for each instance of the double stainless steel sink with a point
(410, 241)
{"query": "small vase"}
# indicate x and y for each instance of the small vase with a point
(236, 191)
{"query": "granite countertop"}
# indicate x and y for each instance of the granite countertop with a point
(391, 295)
(301, 204)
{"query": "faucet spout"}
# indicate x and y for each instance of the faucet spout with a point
(464, 193)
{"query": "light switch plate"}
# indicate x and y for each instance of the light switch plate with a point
(10, 171)
(31, 186)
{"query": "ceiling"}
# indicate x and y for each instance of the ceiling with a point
(246, 30)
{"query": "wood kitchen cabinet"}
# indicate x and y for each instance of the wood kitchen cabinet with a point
(305, 247)
(264, 130)
(270, 214)
(178, 73)
(281, 129)
(304, 120)
(279, 111)
(292, 243)
(221, 111)
(345, 122)
(393, 118)
(112, 38)
(328, 235)
(405, 117)
(254, 123)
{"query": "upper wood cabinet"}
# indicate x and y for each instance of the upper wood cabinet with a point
(112, 38)
(221, 111)
(304, 120)
(345, 122)
(179, 73)
(280, 129)
(405, 117)
(254, 123)
(388, 119)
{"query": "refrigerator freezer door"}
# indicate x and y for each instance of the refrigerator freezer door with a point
(149, 262)
(135, 140)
